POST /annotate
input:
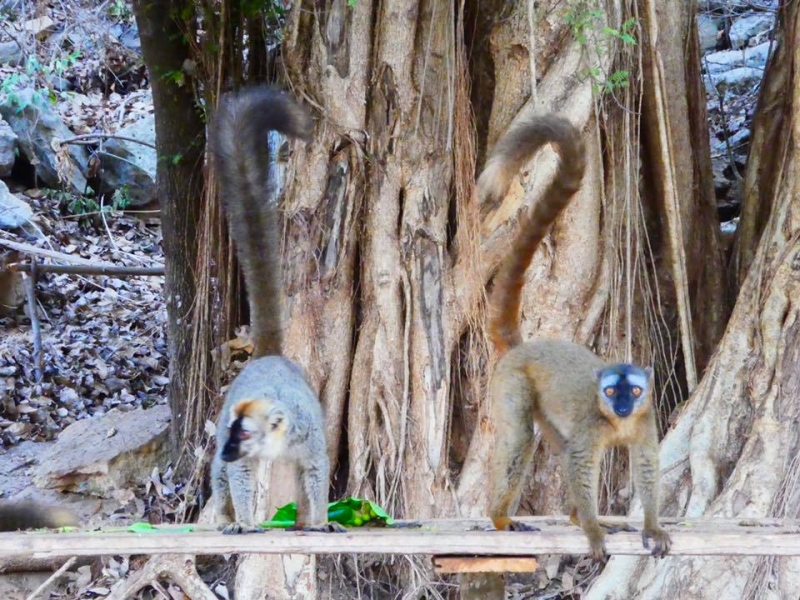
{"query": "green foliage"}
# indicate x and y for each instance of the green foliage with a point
(86, 204)
(36, 76)
(119, 10)
(177, 77)
(350, 512)
(585, 18)
(121, 199)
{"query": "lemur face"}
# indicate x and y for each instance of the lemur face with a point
(623, 388)
(256, 428)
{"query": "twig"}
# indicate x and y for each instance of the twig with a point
(30, 292)
(35, 250)
(52, 579)
(87, 138)
(88, 269)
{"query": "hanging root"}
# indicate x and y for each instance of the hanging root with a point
(179, 568)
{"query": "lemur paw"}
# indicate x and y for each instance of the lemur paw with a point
(236, 528)
(661, 541)
(332, 527)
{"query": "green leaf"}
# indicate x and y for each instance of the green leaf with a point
(351, 512)
(142, 527)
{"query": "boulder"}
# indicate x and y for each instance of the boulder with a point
(112, 452)
(755, 57)
(10, 54)
(14, 212)
(750, 26)
(39, 130)
(736, 81)
(131, 166)
(708, 30)
(8, 148)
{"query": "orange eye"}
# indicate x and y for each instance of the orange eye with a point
(609, 391)
(244, 435)
(636, 391)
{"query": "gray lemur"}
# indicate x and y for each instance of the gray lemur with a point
(270, 411)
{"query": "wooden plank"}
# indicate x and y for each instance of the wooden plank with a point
(446, 537)
(485, 564)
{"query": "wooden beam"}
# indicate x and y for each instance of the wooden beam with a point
(769, 537)
(485, 564)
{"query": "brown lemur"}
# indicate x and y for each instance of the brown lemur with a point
(582, 404)
(270, 410)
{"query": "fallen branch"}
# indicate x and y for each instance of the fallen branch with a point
(98, 269)
(178, 568)
(30, 293)
(52, 579)
(88, 138)
(36, 251)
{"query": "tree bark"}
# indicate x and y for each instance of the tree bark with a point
(734, 450)
(179, 177)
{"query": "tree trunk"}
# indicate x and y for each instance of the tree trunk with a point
(734, 450)
(179, 142)
(636, 256)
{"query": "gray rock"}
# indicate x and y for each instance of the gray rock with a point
(14, 212)
(740, 139)
(38, 128)
(755, 57)
(112, 452)
(11, 54)
(131, 166)
(707, 29)
(749, 26)
(735, 81)
(8, 148)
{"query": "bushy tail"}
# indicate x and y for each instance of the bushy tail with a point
(239, 144)
(14, 517)
(514, 149)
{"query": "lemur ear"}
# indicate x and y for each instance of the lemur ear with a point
(597, 374)
(649, 372)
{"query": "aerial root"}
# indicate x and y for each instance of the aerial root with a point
(179, 568)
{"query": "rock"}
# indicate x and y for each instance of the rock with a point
(128, 35)
(14, 212)
(60, 84)
(38, 129)
(41, 27)
(130, 166)
(10, 54)
(708, 31)
(101, 455)
(8, 148)
(740, 140)
(749, 26)
(736, 81)
(16, 483)
(755, 57)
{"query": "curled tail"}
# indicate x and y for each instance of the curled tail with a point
(14, 517)
(511, 153)
(240, 148)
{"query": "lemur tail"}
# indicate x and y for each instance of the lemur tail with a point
(29, 515)
(239, 144)
(513, 150)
